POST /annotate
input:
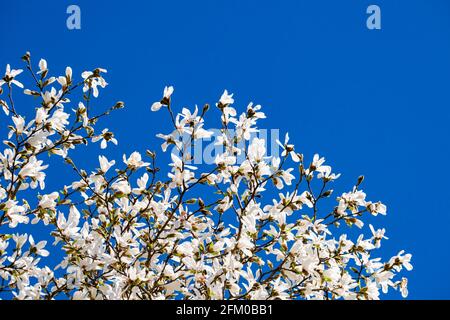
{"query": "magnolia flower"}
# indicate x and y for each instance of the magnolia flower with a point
(226, 98)
(34, 170)
(69, 227)
(92, 80)
(10, 74)
(142, 184)
(181, 173)
(42, 66)
(135, 161)
(122, 186)
(253, 111)
(59, 120)
(19, 124)
(20, 240)
(257, 149)
(168, 140)
(404, 287)
(41, 116)
(324, 171)
(4, 106)
(224, 104)
(53, 97)
(401, 260)
(105, 137)
(288, 149)
(105, 165)
(225, 160)
(48, 201)
(38, 248)
(376, 208)
(67, 79)
(332, 274)
(378, 235)
(351, 201)
(281, 175)
(135, 275)
(165, 100)
(245, 244)
(372, 291)
(15, 213)
(168, 92)
(82, 112)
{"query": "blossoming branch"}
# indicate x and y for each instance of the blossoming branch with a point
(264, 228)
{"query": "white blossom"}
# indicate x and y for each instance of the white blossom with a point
(10, 75)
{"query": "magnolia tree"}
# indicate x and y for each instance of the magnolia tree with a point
(122, 232)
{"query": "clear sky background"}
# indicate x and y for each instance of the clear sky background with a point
(373, 102)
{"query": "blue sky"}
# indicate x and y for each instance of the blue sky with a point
(373, 102)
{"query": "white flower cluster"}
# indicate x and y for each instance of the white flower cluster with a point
(257, 232)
